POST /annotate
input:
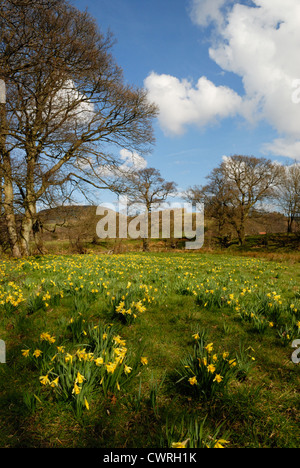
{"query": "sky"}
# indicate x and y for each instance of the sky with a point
(225, 75)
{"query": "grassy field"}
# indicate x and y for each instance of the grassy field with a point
(149, 351)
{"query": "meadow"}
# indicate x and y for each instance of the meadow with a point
(150, 350)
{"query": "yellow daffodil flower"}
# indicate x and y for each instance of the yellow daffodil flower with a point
(218, 378)
(193, 381)
(209, 347)
(37, 353)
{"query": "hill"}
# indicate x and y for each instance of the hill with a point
(74, 228)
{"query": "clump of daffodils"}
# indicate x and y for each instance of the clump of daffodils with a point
(129, 314)
(104, 364)
(11, 296)
(206, 371)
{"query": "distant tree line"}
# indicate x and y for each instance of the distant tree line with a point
(242, 184)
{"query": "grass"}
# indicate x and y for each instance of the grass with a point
(197, 307)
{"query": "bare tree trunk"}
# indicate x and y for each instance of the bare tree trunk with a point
(238, 221)
(10, 216)
(8, 194)
(290, 225)
(146, 247)
(29, 202)
(241, 228)
(26, 229)
(241, 235)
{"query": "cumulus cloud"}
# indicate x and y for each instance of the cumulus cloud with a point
(283, 147)
(132, 162)
(203, 12)
(182, 104)
(261, 46)
(258, 40)
(68, 96)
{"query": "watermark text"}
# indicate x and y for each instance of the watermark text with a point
(175, 221)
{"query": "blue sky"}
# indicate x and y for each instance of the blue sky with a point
(235, 49)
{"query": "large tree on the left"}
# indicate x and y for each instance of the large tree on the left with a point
(64, 105)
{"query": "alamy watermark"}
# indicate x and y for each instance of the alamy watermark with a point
(2, 92)
(174, 221)
(296, 354)
(2, 352)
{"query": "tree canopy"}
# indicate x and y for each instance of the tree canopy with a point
(66, 106)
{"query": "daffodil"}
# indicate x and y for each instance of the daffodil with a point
(179, 444)
(127, 369)
(218, 378)
(76, 389)
(69, 358)
(80, 378)
(37, 353)
(209, 347)
(211, 368)
(193, 381)
(44, 379)
(98, 361)
(54, 382)
(111, 367)
(220, 443)
(47, 337)
(25, 352)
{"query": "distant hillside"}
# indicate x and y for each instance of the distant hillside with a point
(78, 222)
(62, 214)
(73, 229)
(72, 221)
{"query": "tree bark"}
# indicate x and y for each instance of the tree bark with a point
(7, 187)
(241, 231)
(10, 218)
(26, 229)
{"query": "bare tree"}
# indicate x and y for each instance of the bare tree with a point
(235, 187)
(66, 103)
(249, 181)
(216, 198)
(287, 194)
(147, 187)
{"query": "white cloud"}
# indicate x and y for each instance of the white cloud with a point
(68, 96)
(204, 12)
(182, 104)
(66, 108)
(261, 45)
(283, 147)
(259, 42)
(132, 160)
